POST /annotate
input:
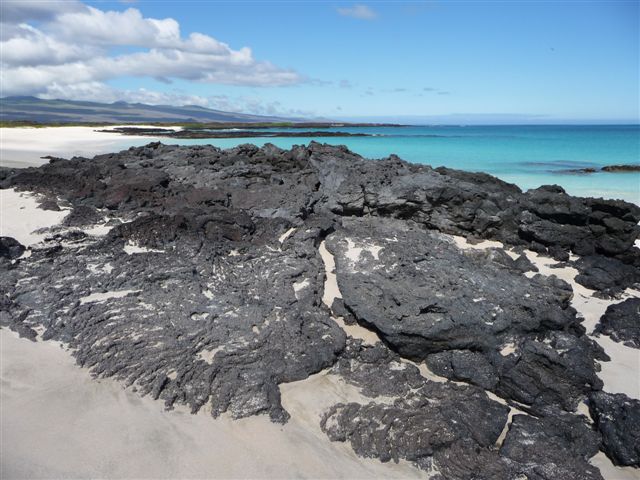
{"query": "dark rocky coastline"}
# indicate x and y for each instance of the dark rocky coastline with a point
(608, 168)
(222, 300)
(621, 168)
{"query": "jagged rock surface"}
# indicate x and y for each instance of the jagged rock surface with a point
(470, 317)
(617, 417)
(208, 288)
(196, 326)
(427, 417)
(621, 322)
(322, 178)
(451, 430)
(550, 447)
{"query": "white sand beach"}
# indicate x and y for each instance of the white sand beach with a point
(59, 422)
(24, 146)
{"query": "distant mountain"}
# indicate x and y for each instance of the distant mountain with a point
(34, 109)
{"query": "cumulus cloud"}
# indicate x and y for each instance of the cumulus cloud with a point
(116, 28)
(63, 48)
(15, 11)
(359, 11)
(28, 46)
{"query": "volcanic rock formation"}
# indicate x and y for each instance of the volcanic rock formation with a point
(207, 287)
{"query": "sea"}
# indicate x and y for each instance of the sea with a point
(528, 156)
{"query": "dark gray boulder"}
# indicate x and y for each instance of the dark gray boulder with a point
(451, 431)
(621, 322)
(470, 317)
(10, 248)
(617, 418)
(464, 365)
(523, 264)
(551, 447)
(426, 417)
(607, 276)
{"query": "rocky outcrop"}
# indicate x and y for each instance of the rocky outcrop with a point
(617, 417)
(467, 314)
(554, 446)
(622, 168)
(609, 168)
(206, 287)
(324, 178)
(608, 276)
(10, 248)
(451, 430)
(188, 319)
(621, 322)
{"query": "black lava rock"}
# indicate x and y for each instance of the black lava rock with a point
(621, 322)
(467, 315)
(208, 288)
(617, 418)
(10, 248)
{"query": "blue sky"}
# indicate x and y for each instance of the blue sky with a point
(486, 62)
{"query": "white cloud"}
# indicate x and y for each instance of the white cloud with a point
(14, 11)
(116, 28)
(358, 11)
(70, 47)
(28, 46)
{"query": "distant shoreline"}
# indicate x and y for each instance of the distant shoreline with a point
(31, 147)
(229, 132)
(197, 125)
(301, 124)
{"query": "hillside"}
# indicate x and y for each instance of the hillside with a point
(34, 109)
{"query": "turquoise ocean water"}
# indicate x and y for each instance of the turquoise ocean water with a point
(528, 156)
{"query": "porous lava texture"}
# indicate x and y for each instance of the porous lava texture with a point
(193, 274)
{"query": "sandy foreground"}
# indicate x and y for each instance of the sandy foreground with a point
(24, 147)
(59, 422)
